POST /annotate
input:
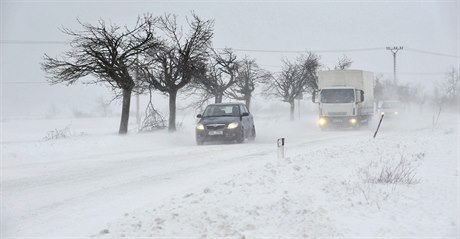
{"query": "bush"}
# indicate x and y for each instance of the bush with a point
(153, 120)
(402, 172)
(58, 133)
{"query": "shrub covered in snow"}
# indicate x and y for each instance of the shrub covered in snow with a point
(391, 172)
(58, 133)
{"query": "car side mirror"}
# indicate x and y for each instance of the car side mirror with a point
(199, 116)
(362, 95)
(245, 114)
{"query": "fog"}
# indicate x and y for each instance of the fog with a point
(266, 31)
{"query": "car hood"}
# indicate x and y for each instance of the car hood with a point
(219, 120)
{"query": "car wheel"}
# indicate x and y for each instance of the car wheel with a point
(199, 142)
(240, 138)
(253, 134)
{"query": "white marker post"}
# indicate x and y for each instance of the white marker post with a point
(280, 143)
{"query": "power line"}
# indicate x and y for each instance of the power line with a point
(431, 52)
(22, 82)
(38, 42)
(27, 42)
(305, 51)
(47, 42)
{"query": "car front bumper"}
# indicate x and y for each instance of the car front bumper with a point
(218, 135)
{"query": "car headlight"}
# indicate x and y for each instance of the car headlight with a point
(353, 121)
(232, 125)
(200, 127)
(396, 112)
(322, 121)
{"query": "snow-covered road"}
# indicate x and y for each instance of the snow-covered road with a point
(161, 184)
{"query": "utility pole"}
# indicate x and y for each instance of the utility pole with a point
(394, 50)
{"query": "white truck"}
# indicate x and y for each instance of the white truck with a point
(345, 98)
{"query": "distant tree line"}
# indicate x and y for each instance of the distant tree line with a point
(445, 92)
(450, 87)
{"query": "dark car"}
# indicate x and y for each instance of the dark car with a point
(391, 108)
(225, 122)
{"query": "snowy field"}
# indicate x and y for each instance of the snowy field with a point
(94, 183)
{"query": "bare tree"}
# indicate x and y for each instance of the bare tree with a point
(289, 85)
(451, 85)
(379, 88)
(343, 63)
(107, 53)
(309, 65)
(249, 75)
(181, 59)
(294, 79)
(221, 74)
(103, 106)
(153, 119)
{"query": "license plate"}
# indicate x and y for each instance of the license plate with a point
(337, 120)
(216, 132)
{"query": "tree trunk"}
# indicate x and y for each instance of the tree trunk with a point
(292, 103)
(125, 111)
(218, 98)
(172, 111)
(248, 101)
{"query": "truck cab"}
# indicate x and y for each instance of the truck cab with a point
(342, 98)
(338, 106)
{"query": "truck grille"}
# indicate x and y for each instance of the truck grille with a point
(337, 113)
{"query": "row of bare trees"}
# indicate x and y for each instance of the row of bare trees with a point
(157, 53)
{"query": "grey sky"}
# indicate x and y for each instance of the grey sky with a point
(431, 26)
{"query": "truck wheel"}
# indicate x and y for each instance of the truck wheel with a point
(357, 126)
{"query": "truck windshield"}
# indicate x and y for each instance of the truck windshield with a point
(337, 96)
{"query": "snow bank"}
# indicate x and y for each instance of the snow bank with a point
(320, 190)
(98, 184)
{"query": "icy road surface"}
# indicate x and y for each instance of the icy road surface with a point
(94, 184)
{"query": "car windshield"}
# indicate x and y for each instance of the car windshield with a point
(222, 111)
(337, 96)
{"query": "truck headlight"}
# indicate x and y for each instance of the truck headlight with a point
(232, 125)
(322, 121)
(353, 121)
(200, 127)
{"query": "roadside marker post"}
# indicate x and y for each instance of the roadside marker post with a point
(280, 143)
(376, 131)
